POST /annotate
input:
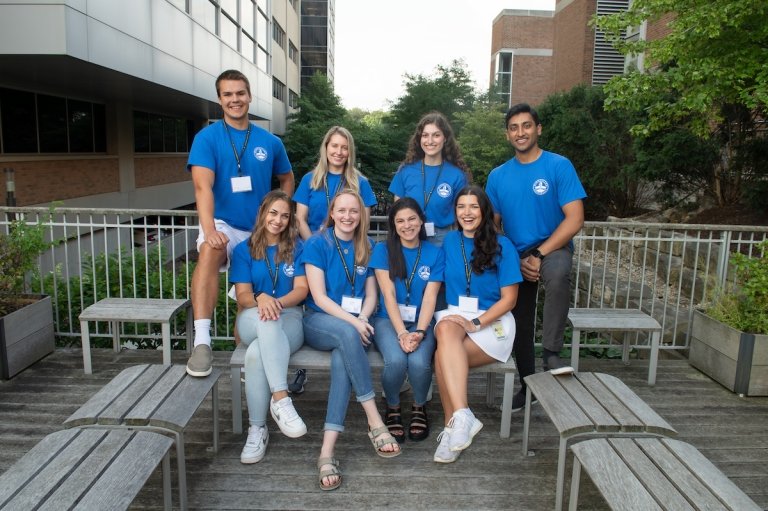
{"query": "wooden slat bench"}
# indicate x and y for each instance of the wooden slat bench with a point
(156, 398)
(589, 404)
(308, 358)
(86, 469)
(617, 320)
(650, 473)
(139, 310)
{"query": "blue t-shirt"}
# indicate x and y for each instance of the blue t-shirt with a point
(245, 269)
(264, 157)
(320, 250)
(409, 182)
(317, 201)
(530, 197)
(430, 268)
(487, 286)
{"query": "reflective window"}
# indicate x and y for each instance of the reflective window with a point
(160, 133)
(246, 16)
(204, 12)
(261, 59)
(261, 29)
(278, 34)
(52, 124)
(278, 89)
(228, 31)
(248, 46)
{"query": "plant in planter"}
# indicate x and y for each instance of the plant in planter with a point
(729, 338)
(26, 321)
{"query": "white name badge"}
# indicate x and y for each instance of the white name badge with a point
(241, 184)
(498, 331)
(351, 304)
(430, 228)
(407, 312)
(468, 304)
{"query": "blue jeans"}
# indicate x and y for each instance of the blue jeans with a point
(270, 344)
(349, 363)
(418, 364)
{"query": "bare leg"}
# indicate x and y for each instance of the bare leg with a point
(375, 421)
(205, 281)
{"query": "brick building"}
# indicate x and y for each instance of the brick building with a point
(536, 53)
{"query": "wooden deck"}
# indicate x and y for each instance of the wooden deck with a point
(731, 431)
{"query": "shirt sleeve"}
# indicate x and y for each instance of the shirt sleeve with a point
(379, 257)
(397, 187)
(509, 264)
(366, 192)
(438, 270)
(301, 195)
(298, 259)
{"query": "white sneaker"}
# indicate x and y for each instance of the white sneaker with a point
(444, 454)
(464, 426)
(287, 418)
(256, 445)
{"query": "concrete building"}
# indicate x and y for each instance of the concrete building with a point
(318, 36)
(536, 53)
(99, 101)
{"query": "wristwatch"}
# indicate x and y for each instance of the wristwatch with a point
(538, 255)
(477, 324)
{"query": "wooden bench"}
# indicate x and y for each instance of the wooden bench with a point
(139, 310)
(589, 404)
(621, 320)
(308, 358)
(650, 473)
(86, 469)
(156, 398)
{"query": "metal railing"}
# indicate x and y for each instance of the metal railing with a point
(664, 269)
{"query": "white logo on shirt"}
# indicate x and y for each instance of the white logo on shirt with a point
(424, 272)
(444, 190)
(361, 270)
(260, 153)
(540, 186)
(288, 270)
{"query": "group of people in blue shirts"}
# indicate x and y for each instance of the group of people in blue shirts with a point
(439, 292)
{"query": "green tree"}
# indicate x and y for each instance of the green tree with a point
(482, 140)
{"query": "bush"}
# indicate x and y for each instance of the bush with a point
(19, 253)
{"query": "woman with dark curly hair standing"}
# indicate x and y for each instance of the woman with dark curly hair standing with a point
(482, 273)
(432, 172)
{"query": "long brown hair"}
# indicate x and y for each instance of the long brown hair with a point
(287, 239)
(362, 246)
(451, 151)
(486, 243)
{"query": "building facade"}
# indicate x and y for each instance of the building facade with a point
(100, 101)
(318, 34)
(537, 53)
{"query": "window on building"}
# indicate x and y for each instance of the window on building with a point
(247, 20)
(278, 89)
(293, 99)
(155, 133)
(504, 76)
(278, 34)
(293, 53)
(38, 123)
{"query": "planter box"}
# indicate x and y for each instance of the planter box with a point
(26, 336)
(737, 360)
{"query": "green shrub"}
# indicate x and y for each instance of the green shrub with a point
(19, 253)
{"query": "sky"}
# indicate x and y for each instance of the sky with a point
(378, 42)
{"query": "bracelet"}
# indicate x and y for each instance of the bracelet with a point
(420, 331)
(256, 295)
(401, 334)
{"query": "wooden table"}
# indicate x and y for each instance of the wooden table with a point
(139, 310)
(645, 474)
(589, 404)
(86, 469)
(156, 398)
(616, 320)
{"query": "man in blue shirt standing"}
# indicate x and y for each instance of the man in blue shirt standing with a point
(232, 163)
(537, 199)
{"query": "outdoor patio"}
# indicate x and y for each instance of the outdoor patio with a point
(491, 474)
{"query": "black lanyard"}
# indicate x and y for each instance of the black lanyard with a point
(350, 277)
(338, 188)
(269, 269)
(239, 156)
(467, 266)
(409, 280)
(424, 182)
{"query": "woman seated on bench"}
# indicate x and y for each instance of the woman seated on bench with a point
(409, 271)
(343, 296)
(270, 285)
(482, 272)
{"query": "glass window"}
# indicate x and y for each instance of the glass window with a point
(155, 133)
(314, 8)
(247, 47)
(278, 89)
(314, 36)
(278, 34)
(261, 59)
(230, 7)
(228, 31)
(80, 126)
(293, 52)
(246, 16)
(261, 29)
(204, 12)
(169, 135)
(141, 132)
(181, 4)
(99, 128)
(293, 99)
(18, 121)
(52, 124)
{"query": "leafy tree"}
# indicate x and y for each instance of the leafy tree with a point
(708, 75)
(482, 140)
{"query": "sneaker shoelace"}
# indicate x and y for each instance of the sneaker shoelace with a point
(254, 439)
(289, 410)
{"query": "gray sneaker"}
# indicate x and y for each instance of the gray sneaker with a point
(200, 362)
(551, 362)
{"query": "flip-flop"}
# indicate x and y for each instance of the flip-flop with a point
(386, 439)
(334, 471)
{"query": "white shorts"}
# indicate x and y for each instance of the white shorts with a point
(485, 338)
(235, 237)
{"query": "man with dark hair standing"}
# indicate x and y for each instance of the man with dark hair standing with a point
(232, 164)
(537, 199)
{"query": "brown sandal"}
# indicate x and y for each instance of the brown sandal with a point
(334, 471)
